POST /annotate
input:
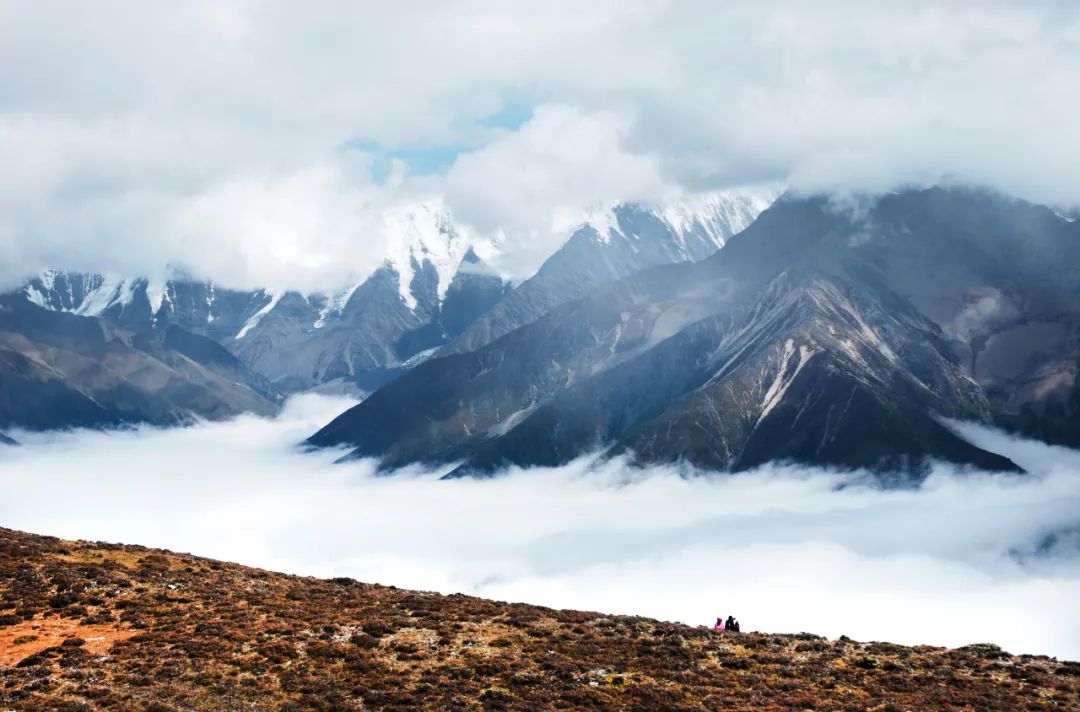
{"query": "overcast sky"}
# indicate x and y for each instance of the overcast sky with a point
(968, 557)
(263, 143)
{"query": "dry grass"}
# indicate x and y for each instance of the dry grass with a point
(33, 636)
(169, 631)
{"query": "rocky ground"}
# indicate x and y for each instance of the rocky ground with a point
(88, 626)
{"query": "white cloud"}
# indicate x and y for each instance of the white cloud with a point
(284, 231)
(783, 548)
(521, 185)
(122, 119)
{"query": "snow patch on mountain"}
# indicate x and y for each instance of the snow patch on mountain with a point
(716, 215)
(606, 223)
(255, 318)
(112, 290)
(511, 421)
(419, 234)
(792, 361)
(720, 214)
(335, 303)
(155, 293)
(36, 297)
(55, 290)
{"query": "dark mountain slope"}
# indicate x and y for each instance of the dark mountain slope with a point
(804, 383)
(60, 370)
(301, 343)
(1000, 277)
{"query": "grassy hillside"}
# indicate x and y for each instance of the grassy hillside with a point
(97, 626)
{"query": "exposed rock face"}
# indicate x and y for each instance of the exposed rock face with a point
(373, 336)
(820, 334)
(100, 626)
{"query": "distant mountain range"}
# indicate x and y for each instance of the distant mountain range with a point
(432, 293)
(827, 332)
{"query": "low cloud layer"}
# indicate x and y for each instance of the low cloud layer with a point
(235, 139)
(969, 557)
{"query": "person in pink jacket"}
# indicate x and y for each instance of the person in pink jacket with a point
(719, 623)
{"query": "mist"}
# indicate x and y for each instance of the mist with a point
(967, 557)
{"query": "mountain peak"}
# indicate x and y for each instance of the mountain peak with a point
(712, 216)
(423, 235)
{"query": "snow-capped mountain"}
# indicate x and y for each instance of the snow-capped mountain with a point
(819, 334)
(433, 289)
(696, 222)
(617, 242)
(421, 238)
(431, 285)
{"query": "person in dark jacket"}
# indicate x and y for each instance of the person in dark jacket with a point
(732, 624)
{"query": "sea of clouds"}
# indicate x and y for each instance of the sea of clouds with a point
(967, 557)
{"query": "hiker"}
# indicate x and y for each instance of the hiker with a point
(719, 624)
(732, 624)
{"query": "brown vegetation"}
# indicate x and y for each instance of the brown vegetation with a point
(95, 626)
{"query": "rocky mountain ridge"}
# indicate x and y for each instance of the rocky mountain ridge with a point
(432, 288)
(822, 333)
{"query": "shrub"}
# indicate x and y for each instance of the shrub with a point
(36, 659)
(345, 581)
(62, 600)
(376, 629)
(365, 641)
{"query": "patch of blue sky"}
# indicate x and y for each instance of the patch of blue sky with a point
(420, 160)
(511, 116)
(423, 160)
